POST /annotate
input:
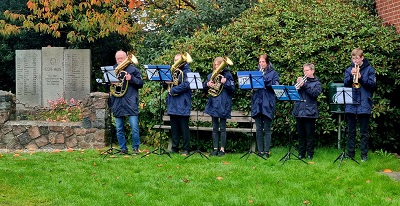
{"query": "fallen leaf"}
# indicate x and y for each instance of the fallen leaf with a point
(146, 151)
(94, 164)
(251, 201)
(185, 180)
(16, 155)
(311, 163)
(226, 163)
(129, 194)
(306, 202)
(19, 151)
(56, 151)
(368, 181)
(127, 156)
(220, 178)
(170, 177)
(387, 170)
(389, 199)
(113, 156)
(159, 165)
(70, 150)
(254, 167)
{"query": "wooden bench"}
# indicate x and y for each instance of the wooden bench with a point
(239, 117)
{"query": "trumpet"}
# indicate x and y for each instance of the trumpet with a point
(303, 80)
(356, 84)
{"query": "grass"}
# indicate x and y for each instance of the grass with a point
(84, 178)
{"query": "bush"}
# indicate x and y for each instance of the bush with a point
(60, 110)
(293, 33)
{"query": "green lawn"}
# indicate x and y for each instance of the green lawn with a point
(84, 178)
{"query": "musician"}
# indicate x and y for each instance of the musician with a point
(127, 105)
(366, 78)
(219, 107)
(179, 103)
(263, 106)
(306, 111)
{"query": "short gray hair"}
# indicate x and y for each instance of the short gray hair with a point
(312, 67)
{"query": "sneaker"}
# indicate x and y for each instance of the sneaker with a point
(260, 154)
(214, 153)
(123, 152)
(135, 151)
(221, 153)
(364, 158)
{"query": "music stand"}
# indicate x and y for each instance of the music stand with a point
(250, 80)
(344, 96)
(287, 93)
(196, 84)
(108, 78)
(159, 73)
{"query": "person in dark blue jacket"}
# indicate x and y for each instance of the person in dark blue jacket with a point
(263, 106)
(127, 105)
(219, 107)
(179, 104)
(366, 78)
(306, 111)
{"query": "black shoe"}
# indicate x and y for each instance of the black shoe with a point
(173, 151)
(309, 157)
(135, 151)
(123, 152)
(267, 154)
(364, 158)
(185, 153)
(221, 153)
(261, 154)
(300, 156)
(349, 157)
(214, 153)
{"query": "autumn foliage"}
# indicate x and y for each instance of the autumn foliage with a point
(77, 19)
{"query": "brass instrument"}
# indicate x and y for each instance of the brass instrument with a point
(355, 77)
(216, 78)
(176, 72)
(303, 80)
(119, 89)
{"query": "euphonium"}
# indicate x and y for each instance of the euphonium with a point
(216, 78)
(119, 89)
(303, 80)
(176, 72)
(355, 77)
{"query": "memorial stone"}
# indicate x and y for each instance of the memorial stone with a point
(52, 74)
(76, 73)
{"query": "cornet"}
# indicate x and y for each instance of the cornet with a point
(303, 80)
(355, 77)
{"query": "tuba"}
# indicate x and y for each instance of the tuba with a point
(119, 89)
(356, 84)
(216, 78)
(176, 72)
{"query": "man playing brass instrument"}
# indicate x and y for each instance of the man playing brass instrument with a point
(179, 104)
(306, 111)
(127, 105)
(362, 93)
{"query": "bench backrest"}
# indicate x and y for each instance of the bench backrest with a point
(237, 116)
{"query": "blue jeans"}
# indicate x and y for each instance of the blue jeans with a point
(133, 121)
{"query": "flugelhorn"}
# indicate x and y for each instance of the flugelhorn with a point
(118, 89)
(303, 80)
(355, 77)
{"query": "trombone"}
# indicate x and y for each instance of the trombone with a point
(303, 80)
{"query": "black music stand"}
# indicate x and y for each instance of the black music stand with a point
(288, 93)
(196, 84)
(344, 96)
(159, 73)
(108, 78)
(250, 80)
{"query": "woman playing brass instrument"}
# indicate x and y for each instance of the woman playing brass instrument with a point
(219, 107)
(263, 106)
(364, 76)
(306, 111)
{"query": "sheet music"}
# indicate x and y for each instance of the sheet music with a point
(109, 74)
(154, 71)
(286, 93)
(194, 80)
(343, 95)
(255, 82)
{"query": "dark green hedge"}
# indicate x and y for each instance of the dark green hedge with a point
(293, 33)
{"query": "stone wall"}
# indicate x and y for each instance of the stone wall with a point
(18, 134)
(389, 11)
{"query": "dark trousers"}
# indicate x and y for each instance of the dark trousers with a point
(180, 127)
(363, 119)
(306, 130)
(219, 124)
(263, 132)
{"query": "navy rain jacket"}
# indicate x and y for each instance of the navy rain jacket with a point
(179, 101)
(127, 105)
(263, 100)
(309, 93)
(221, 105)
(362, 95)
